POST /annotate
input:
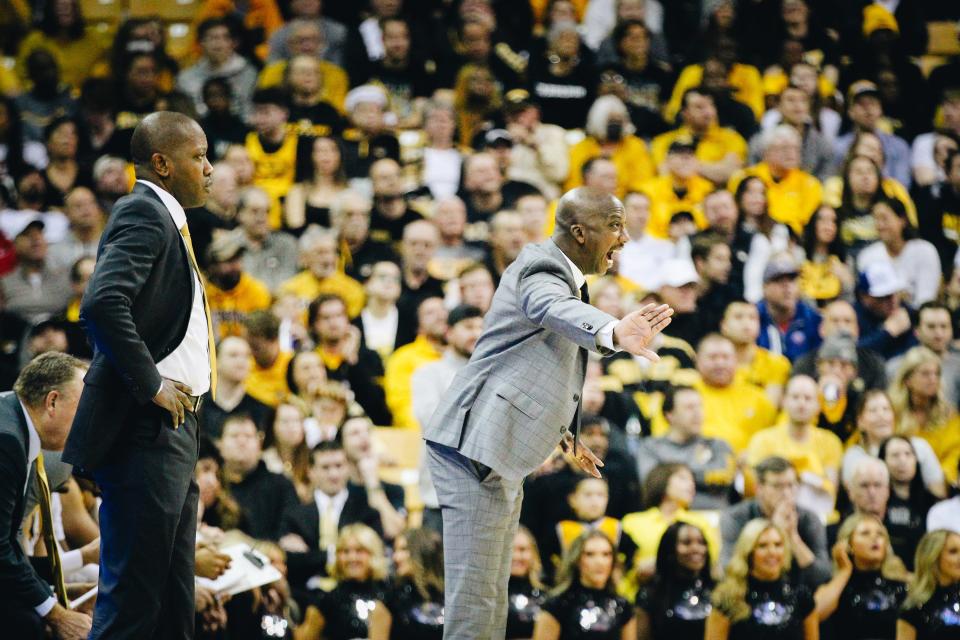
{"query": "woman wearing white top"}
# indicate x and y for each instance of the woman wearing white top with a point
(876, 423)
(915, 260)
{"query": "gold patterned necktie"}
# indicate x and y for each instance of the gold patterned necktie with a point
(211, 345)
(46, 526)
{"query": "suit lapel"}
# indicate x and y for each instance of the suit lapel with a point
(554, 251)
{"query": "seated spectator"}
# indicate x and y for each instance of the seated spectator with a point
(915, 260)
(668, 492)
(270, 256)
(676, 601)
(678, 286)
(112, 181)
(13, 328)
(865, 110)
(419, 245)
(477, 97)
(307, 38)
(48, 99)
(267, 381)
(526, 590)
(678, 188)
(710, 459)
(540, 154)
(64, 171)
(230, 292)
(360, 572)
(381, 326)
(507, 239)
(86, 224)
(482, 191)
(839, 384)
(755, 365)
(793, 195)
(333, 33)
(285, 446)
(273, 148)
(824, 275)
(310, 113)
(721, 151)
(884, 319)
(310, 199)
(794, 106)
(775, 499)
(223, 127)
(350, 215)
(476, 286)
(45, 336)
(238, 157)
(263, 497)
(454, 253)
(37, 289)
(939, 203)
(713, 261)
(413, 605)
(864, 563)
(344, 356)
(732, 411)
(357, 437)
(934, 330)
(869, 492)
(233, 371)
(909, 499)
(405, 361)
(641, 256)
(218, 214)
(922, 410)
(587, 581)
(788, 326)
(442, 160)
(319, 254)
(759, 577)
(814, 453)
(610, 135)
(945, 514)
(918, 613)
(307, 379)
(367, 139)
(876, 424)
(219, 58)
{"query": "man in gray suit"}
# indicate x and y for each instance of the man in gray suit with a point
(519, 397)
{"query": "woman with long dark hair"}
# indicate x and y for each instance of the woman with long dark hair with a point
(675, 604)
(824, 275)
(285, 445)
(64, 170)
(309, 200)
(933, 595)
(909, 499)
(862, 600)
(585, 605)
(412, 608)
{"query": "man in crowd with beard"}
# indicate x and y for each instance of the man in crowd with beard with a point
(231, 293)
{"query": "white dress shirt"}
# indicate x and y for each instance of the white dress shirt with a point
(605, 335)
(189, 363)
(33, 452)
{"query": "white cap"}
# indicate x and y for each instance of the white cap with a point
(880, 279)
(366, 93)
(677, 272)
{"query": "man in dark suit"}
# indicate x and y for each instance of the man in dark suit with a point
(312, 529)
(36, 415)
(136, 427)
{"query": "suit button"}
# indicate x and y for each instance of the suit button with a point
(576, 397)
(563, 430)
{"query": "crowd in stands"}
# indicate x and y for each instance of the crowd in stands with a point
(790, 174)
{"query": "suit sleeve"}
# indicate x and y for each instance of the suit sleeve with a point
(126, 259)
(545, 300)
(17, 578)
(301, 566)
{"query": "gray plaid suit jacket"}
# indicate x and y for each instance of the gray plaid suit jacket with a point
(510, 405)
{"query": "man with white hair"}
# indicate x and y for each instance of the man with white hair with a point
(350, 214)
(271, 256)
(792, 194)
(368, 138)
(816, 153)
(319, 253)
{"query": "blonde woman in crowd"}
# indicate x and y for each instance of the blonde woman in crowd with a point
(526, 590)
(933, 596)
(757, 599)
(869, 582)
(922, 410)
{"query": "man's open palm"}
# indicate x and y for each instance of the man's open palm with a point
(636, 330)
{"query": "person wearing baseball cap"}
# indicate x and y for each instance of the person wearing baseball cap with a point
(788, 325)
(680, 188)
(885, 322)
(679, 286)
(231, 293)
(36, 289)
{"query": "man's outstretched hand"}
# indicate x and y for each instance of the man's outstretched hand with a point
(585, 458)
(636, 330)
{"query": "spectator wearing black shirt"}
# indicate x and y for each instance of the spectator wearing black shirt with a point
(562, 80)
(222, 126)
(48, 99)
(507, 238)
(309, 113)
(646, 81)
(420, 242)
(350, 213)
(218, 213)
(712, 258)
(909, 498)
(263, 497)
(938, 206)
(391, 214)
(482, 187)
(233, 367)
(367, 140)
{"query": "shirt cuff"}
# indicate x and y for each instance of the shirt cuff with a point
(605, 336)
(45, 607)
(71, 561)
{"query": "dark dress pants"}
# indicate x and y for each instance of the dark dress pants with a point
(148, 523)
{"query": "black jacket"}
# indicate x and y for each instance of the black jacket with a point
(136, 309)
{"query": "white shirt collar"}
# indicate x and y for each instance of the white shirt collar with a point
(33, 448)
(578, 276)
(338, 500)
(176, 211)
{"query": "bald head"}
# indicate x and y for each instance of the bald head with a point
(590, 228)
(170, 150)
(579, 205)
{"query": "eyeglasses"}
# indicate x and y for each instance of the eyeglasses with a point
(615, 78)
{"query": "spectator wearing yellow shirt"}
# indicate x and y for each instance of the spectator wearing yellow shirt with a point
(733, 410)
(305, 38)
(815, 453)
(668, 492)
(610, 135)
(404, 362)
(273, 148)
(231, 293)
(267, 381)
(258, 16)
(744, 80)
(319, 253)
(755, 365)
(792, 194)
(680, 188)
(721, 151)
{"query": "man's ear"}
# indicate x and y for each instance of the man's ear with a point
(160, 164)
(50, 402)
(578, 233)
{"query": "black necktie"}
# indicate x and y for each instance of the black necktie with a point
(585, 294)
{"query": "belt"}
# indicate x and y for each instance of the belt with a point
(195, 403)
